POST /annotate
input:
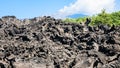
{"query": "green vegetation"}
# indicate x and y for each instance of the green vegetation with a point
(75, 20)
(101, 18)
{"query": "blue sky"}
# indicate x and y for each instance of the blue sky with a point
(56, 8)
(31, 8)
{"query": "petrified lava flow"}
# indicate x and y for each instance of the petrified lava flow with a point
(47, 42)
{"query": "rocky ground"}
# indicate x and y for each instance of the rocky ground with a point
(45, 42)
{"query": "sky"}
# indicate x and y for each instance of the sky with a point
(56, 8)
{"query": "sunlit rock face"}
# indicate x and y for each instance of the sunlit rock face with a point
(46, 42)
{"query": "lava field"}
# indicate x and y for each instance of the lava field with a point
(46, 42)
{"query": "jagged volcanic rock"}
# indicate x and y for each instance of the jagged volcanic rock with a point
(45, 42)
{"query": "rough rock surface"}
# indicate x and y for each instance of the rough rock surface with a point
(45, 42)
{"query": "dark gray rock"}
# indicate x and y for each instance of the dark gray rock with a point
(48, 42)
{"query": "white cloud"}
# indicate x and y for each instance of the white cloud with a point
(87, 7)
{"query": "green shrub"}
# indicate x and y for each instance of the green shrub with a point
(101, 18)
(106, 19)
